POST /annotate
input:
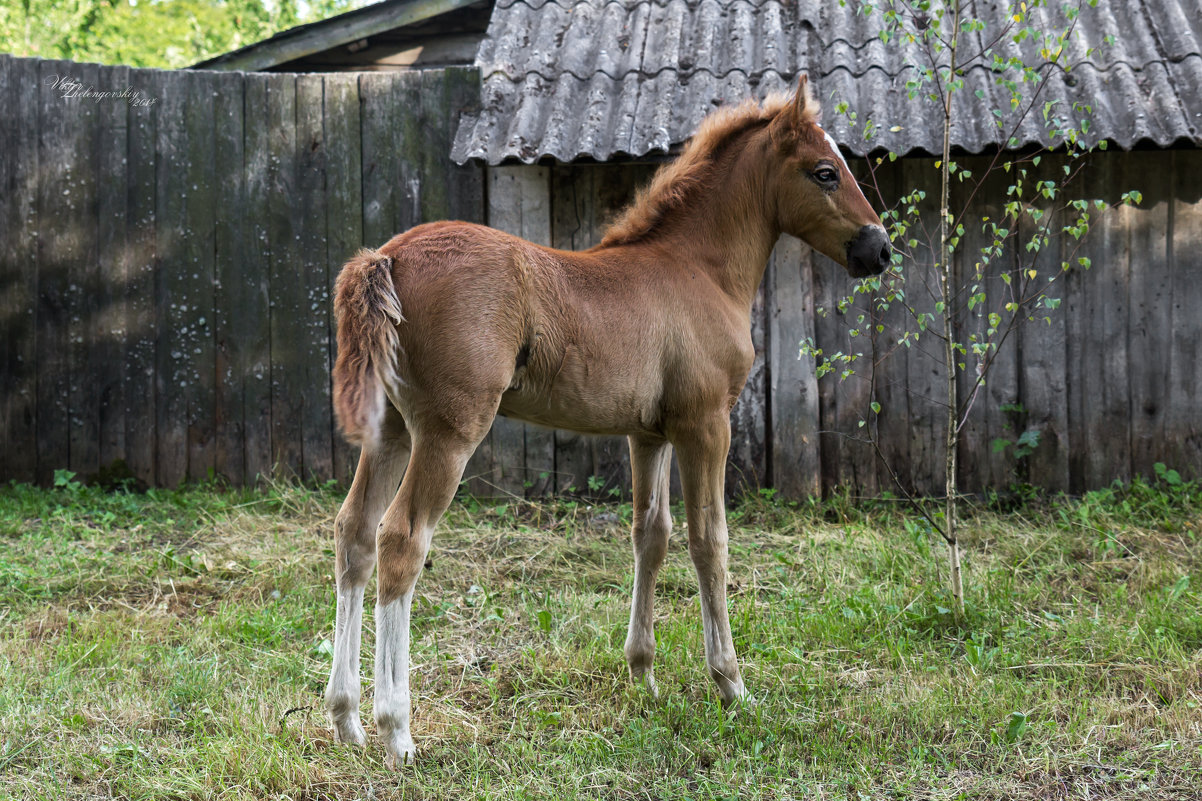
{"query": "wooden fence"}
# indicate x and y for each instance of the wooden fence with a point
(167, 258)
(169, 255)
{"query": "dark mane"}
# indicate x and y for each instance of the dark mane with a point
(673, 182)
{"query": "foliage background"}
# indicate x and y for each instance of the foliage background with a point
(150, 33)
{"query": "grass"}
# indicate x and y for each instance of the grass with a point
(176, 645)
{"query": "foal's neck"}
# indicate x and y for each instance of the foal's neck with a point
(730, 227)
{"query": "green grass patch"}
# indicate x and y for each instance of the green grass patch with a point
(176, 645)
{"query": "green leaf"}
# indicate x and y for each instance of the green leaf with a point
(1017, 727)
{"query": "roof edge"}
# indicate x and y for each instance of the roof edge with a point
(305, 40)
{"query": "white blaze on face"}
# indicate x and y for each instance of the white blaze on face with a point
(835, 148)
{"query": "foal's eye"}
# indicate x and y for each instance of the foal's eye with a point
(825, 175)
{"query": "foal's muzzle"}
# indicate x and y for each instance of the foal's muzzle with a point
(869, 252)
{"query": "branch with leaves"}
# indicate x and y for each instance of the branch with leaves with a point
(1035, 198)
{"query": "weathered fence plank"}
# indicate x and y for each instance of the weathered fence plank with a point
(198, 245)
(924, 371)
(889, 319)
(409, 113)
(1043, 349)
(381, 169)
(109, 326)
(173, 360)
(317, 425)
(792, 438)
(255, 300)
(344, 214)
(847, 459)
(287, 281)
(83, 276)
(232, 286)
(11, 285)
(19, 262)
(465, 201)
(1098, 391)
(57, 155)
(464, 183)
(141, 390)
(1182, 449)
(1150, 287)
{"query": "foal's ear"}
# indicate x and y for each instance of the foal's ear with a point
(801, 98)
(794, 114)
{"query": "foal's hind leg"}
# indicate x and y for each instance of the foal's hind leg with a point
(702, 450)
(439, 455)
(650, 463)
(375, 484)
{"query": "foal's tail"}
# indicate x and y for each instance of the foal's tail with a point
(368, 312)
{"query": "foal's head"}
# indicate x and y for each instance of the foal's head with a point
(818, 199)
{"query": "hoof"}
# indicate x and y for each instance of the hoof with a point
(647, 684)
(735, 695)
(350, 731)
(401, 752)
(744, 701)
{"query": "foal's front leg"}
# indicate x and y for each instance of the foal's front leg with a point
(650, 463)
(702, 459)
(376, 479)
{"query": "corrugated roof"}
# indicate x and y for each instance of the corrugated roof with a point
(596, 79)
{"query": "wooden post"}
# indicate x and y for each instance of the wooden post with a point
(792, 439)
(519, 203)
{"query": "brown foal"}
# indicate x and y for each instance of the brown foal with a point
(647, 334)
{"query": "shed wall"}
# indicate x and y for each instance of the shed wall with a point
(1107, 379)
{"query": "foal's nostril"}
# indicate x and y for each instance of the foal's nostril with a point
(869, 253)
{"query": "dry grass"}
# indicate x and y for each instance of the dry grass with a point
(176, 646)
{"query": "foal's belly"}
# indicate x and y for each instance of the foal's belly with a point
(587, 395)
(585, 413)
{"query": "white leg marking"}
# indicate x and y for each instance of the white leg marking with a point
(342, 691)
(650, 541)
(392, 679)
(719, 646)
(708, 548)
(640, 636)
